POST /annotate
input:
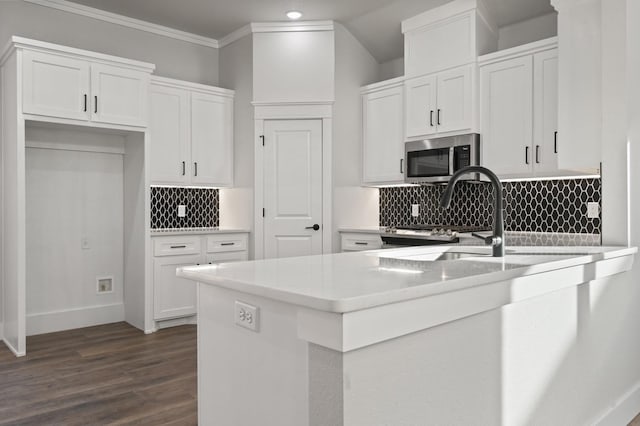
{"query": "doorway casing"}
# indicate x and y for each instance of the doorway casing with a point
(264, 111)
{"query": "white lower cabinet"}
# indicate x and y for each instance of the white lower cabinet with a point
(172, 296)
(175, 297)
(353, 241)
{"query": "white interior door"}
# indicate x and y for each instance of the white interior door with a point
(292, 188)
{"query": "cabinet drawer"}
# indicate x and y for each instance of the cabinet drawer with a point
(360, 242)
(226, 242)
(176, 246)
(233, 256)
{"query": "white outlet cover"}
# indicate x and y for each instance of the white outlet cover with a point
(415, 210)
(182, 211)
(246, 316)
(593, 210)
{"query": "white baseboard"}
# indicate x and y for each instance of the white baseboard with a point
(176, 322)
(625, 409)
(49, 322)
(12, 349)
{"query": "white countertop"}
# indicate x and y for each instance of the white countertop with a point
(196, 231)
(346, 282)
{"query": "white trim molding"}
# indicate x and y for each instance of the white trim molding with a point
(126, 21)
(275, 27)
(68, 319)
(321, 110)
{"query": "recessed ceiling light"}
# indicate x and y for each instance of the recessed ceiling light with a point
(294, 15)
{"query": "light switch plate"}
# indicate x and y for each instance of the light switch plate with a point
(182, 211)
(415, 210)
(593, 210)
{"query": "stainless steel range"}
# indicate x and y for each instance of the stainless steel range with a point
(420, 235)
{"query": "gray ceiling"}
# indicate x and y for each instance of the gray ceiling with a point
(376, 23)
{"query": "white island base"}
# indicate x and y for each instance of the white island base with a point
(392, 338)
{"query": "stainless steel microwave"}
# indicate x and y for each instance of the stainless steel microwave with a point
(436, 160)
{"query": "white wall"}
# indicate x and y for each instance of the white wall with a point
(391, 69)
(72, 196)
(352, 204)
(173, 58)
(535, 29)
(293, 66)
(236, 72)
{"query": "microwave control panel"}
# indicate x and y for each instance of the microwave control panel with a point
(461, 157)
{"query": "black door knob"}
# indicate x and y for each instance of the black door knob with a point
(314, 227)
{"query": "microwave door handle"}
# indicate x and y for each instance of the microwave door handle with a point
(451, 163)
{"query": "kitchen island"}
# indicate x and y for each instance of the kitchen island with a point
(421, 335)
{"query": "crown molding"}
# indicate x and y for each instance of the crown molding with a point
(275, 27)
(235, 36)
(125, 21)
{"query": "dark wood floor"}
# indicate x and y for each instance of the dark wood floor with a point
(110, 374)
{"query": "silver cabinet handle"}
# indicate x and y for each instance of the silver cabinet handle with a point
(537, 154)
(228, 244)
(95, 105)
(555, 142)
(177, 247)
(431, 118)
(358, 243)
(195, 165)
(85, 102)
(184, 168)
(438, 120)
(526, 155)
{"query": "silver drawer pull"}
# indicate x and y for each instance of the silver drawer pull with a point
(228, 244)
(361, 244)
(177, 247)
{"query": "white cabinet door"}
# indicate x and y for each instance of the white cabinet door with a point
(169, 149)
(454, 98)
(211, 139)
(56, 86)
(383, 142)
(173, 297)
(441, 45)
(506, 91)
(421, 106)
(119, 95)
(545, 110)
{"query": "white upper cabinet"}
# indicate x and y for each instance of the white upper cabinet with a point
(421, 106)
(169, 126)
(506, 92)
(441, 103)
(191, 134)
(545, 109)
(455, 99)
(519, 110)
(55, 86)
(447, 37)
(383, 141)
(70, 84)
(119, 95)
(212, 139)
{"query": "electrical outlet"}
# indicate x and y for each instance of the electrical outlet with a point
(415, 210)
(246, 316)
(593, 210)
(182, 211)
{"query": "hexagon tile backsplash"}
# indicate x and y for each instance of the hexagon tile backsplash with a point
(202, 208)
(530, 206)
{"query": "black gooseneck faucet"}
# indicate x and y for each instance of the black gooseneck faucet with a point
(497, 239)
